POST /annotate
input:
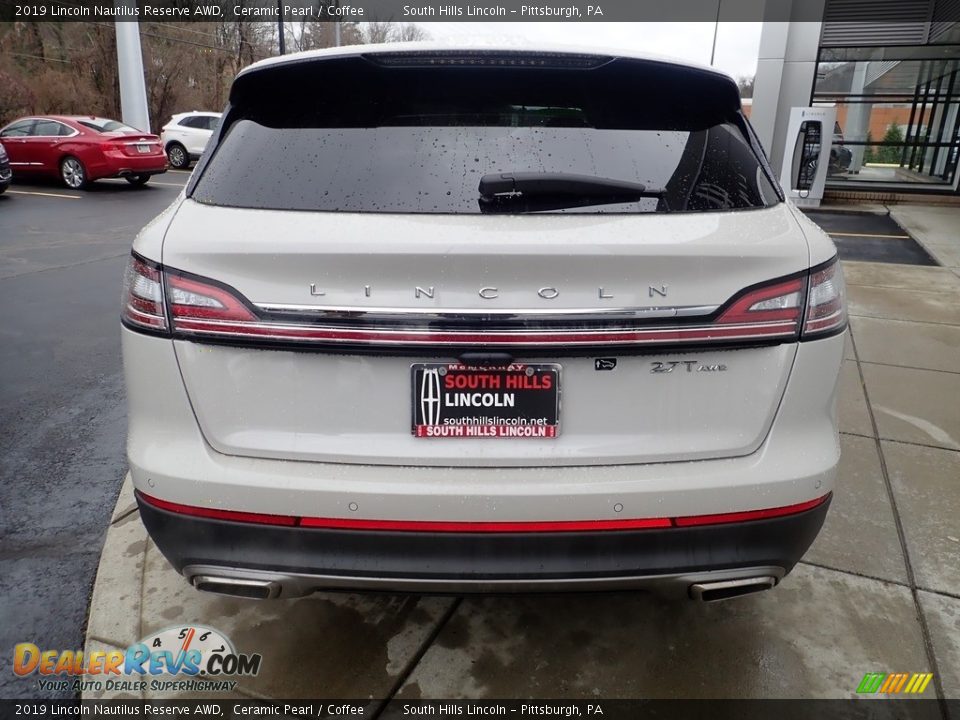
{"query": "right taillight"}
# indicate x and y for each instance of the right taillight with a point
(826, 311)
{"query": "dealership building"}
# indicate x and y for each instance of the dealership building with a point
(891, 68)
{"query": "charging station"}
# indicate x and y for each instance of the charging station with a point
(806, 154)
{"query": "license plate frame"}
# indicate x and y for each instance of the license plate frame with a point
(531, 412)
(143, 148)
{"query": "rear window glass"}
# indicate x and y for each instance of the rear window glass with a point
(418, 140)
(104, 126)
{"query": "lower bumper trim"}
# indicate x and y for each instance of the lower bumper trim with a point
(305, 559)
(264, 584)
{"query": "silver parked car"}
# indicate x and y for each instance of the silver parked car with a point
(498, 322)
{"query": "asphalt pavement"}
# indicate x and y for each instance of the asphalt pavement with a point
(62, 411)
(870, 237)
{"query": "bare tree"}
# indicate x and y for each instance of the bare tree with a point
(54, 67)
(387, 32)
(411, 32)
(745, 83)
(377, 32)
(315, 34)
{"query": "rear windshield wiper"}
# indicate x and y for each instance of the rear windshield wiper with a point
(532, 191)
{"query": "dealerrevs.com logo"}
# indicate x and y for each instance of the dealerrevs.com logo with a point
(183, 658)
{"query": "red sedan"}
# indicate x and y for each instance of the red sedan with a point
(81, 149)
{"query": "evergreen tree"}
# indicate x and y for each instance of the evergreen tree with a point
(889, 154)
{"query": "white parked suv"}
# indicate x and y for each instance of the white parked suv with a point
(505, 320)
(186, 135)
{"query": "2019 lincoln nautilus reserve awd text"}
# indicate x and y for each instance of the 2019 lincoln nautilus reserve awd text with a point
(500, 320)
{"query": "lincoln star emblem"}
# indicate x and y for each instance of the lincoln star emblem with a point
(430, 397)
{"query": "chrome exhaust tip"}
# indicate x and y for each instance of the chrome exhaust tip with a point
(237, 587)
(726, 589)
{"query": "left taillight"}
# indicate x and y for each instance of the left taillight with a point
(202, 301)
(143, 305)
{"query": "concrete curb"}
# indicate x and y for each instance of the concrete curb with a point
(114, 619)
(324, 646)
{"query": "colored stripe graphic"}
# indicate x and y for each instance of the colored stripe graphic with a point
(871, 682)
(893, 683)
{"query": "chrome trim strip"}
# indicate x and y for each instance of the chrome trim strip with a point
(760, 582)
(538, 337)
(73, 131)
(347, 312)
(214, 324)
(300, 584)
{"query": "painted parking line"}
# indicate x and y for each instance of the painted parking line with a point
(868, 235)
(44, 194)
(168, 184)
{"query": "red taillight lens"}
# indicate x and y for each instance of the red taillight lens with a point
(826, 302)
(194, 299)
(774, 309)
(112, 147)
(143, 295)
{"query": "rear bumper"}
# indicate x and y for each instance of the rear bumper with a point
(129, 166)
(128, 172)
(170, 460)
(300, 560)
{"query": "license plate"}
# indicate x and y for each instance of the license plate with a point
(451, 400)
(143, 148)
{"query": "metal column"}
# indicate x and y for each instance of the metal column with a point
(133, 88)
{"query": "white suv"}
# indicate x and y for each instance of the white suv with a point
(505, 320)
(186, 135)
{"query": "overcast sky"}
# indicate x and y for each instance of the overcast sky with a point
(737, 43)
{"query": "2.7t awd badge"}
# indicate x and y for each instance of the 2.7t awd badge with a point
(691, 366)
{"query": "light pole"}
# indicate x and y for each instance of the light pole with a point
(336, 25)
(716, 29)
(283, 45)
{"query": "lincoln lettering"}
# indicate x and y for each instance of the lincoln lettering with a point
(492, 293)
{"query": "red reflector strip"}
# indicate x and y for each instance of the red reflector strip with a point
(723, 518)
(146, 319)
(481, 527)
(258, 518)
(488, 527)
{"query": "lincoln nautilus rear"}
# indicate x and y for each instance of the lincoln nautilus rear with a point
(436, 319)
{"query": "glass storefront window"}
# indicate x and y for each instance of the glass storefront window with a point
(898, 114)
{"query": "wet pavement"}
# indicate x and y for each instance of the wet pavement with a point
(62, 413)
(878, 592)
